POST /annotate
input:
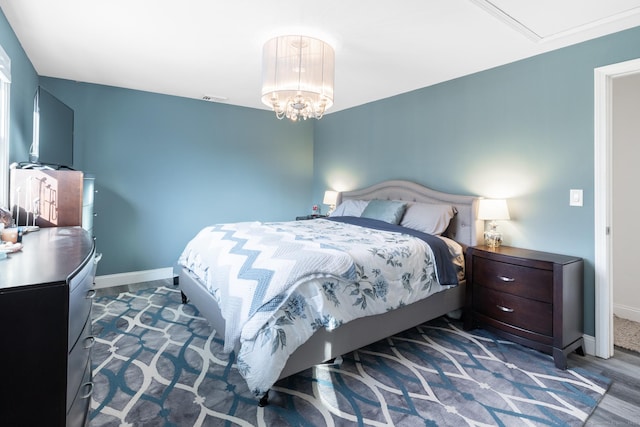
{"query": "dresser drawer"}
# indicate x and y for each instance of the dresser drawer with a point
(87, 217)
(88, 190)
(83, 276)
(526, 282)
(513, 310)
(77, 361)
(79, 409)
(81, 294)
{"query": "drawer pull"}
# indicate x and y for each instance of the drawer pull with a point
(91, 294)
(88, 394)
(89, 342)
(505, 309)
(506, 279)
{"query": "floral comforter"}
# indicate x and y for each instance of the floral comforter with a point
(277, 283)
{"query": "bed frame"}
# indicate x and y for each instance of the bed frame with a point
(464, 228)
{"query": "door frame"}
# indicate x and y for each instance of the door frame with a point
(603, 147)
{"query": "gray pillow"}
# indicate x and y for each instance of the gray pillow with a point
(428, 218)
(390, 211)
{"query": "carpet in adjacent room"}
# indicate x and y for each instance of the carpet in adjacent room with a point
(157, 363)
(626, 333)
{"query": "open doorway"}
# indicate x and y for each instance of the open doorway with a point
(605, 79)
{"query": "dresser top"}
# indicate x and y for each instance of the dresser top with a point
(49, 255)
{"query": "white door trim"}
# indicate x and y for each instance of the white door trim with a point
(603, 142)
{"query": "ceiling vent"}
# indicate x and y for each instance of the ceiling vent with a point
(213, 98)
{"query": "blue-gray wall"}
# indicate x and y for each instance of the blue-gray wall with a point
(524, 131)
(166, 166)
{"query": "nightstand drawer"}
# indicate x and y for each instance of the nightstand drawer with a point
(526, 282)
(521, 312)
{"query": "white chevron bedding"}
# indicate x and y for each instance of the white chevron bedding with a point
(276, 283)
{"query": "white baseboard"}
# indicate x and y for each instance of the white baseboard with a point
(109, 280)
(626, 312)
(589, 345)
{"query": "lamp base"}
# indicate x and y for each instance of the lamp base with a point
(492, 237)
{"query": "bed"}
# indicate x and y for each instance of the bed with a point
(462, 229)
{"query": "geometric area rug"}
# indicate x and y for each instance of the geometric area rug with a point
(156, 362)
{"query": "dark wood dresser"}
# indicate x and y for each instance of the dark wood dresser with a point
(45, 336)
(529, 297)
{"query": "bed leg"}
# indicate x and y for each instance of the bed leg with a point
(264, 400)
(336, 361)
(184, 298)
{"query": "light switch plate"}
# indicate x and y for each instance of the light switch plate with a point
(575, 197)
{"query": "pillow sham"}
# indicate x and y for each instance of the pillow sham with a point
(350, 208)
(428, 218)
(390, 211)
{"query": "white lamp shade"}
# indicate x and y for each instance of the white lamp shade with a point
(330, 198)
(493, 209)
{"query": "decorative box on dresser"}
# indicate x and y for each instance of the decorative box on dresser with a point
(45, 318)
(53, 197)
(529, 297)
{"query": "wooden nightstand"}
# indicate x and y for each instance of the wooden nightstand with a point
(314, 216)
(529, 297)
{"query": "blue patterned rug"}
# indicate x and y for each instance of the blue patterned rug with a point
(156, 363)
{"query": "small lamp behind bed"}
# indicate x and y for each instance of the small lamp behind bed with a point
(493, 210)
(330, 198)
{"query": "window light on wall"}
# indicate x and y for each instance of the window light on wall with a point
(5, 85)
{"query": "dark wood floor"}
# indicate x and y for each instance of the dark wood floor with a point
(619, 407)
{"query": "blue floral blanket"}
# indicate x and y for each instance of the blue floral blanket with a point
(277, 283)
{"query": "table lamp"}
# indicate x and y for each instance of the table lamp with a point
(330, 198)
(493, 210)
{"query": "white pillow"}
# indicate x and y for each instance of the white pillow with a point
(428, 218)
(350, 208)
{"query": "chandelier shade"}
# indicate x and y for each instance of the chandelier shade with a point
(297, 77)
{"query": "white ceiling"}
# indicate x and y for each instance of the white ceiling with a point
(196, 48)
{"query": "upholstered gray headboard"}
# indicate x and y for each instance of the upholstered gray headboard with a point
(464, 228)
